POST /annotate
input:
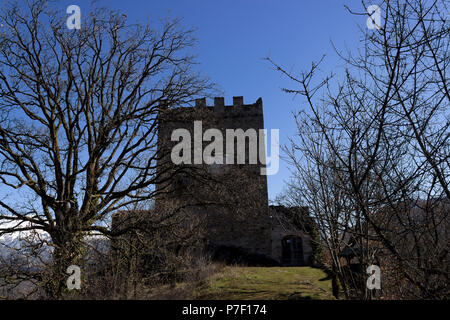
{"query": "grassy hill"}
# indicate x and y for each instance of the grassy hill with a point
(248, 283)
(275, 283)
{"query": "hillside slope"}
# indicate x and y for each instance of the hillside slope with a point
(275, 283)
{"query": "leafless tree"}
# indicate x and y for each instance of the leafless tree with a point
(78, 119)
(383, 130)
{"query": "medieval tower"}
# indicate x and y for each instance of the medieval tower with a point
(230, 196)
(215, 184)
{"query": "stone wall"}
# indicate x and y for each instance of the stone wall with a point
(282, 228)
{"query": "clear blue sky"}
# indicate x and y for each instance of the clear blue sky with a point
(234, 36)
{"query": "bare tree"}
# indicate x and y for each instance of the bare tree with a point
(384, 131)
(78, 119)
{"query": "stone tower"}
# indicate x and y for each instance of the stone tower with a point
(230, 198)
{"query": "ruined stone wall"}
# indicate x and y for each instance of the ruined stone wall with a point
(282, 228)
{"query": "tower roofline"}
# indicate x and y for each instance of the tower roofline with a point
(219, 103)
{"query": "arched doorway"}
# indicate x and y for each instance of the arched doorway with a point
(292, 251)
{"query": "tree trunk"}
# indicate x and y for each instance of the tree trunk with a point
(67, 252)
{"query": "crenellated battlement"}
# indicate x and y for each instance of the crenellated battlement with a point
(237, 114)
(219, 104)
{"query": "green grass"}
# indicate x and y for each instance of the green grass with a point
(243, 283)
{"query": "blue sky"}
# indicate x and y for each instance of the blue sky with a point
(235, 35)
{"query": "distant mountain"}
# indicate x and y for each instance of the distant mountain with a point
(28, 244)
